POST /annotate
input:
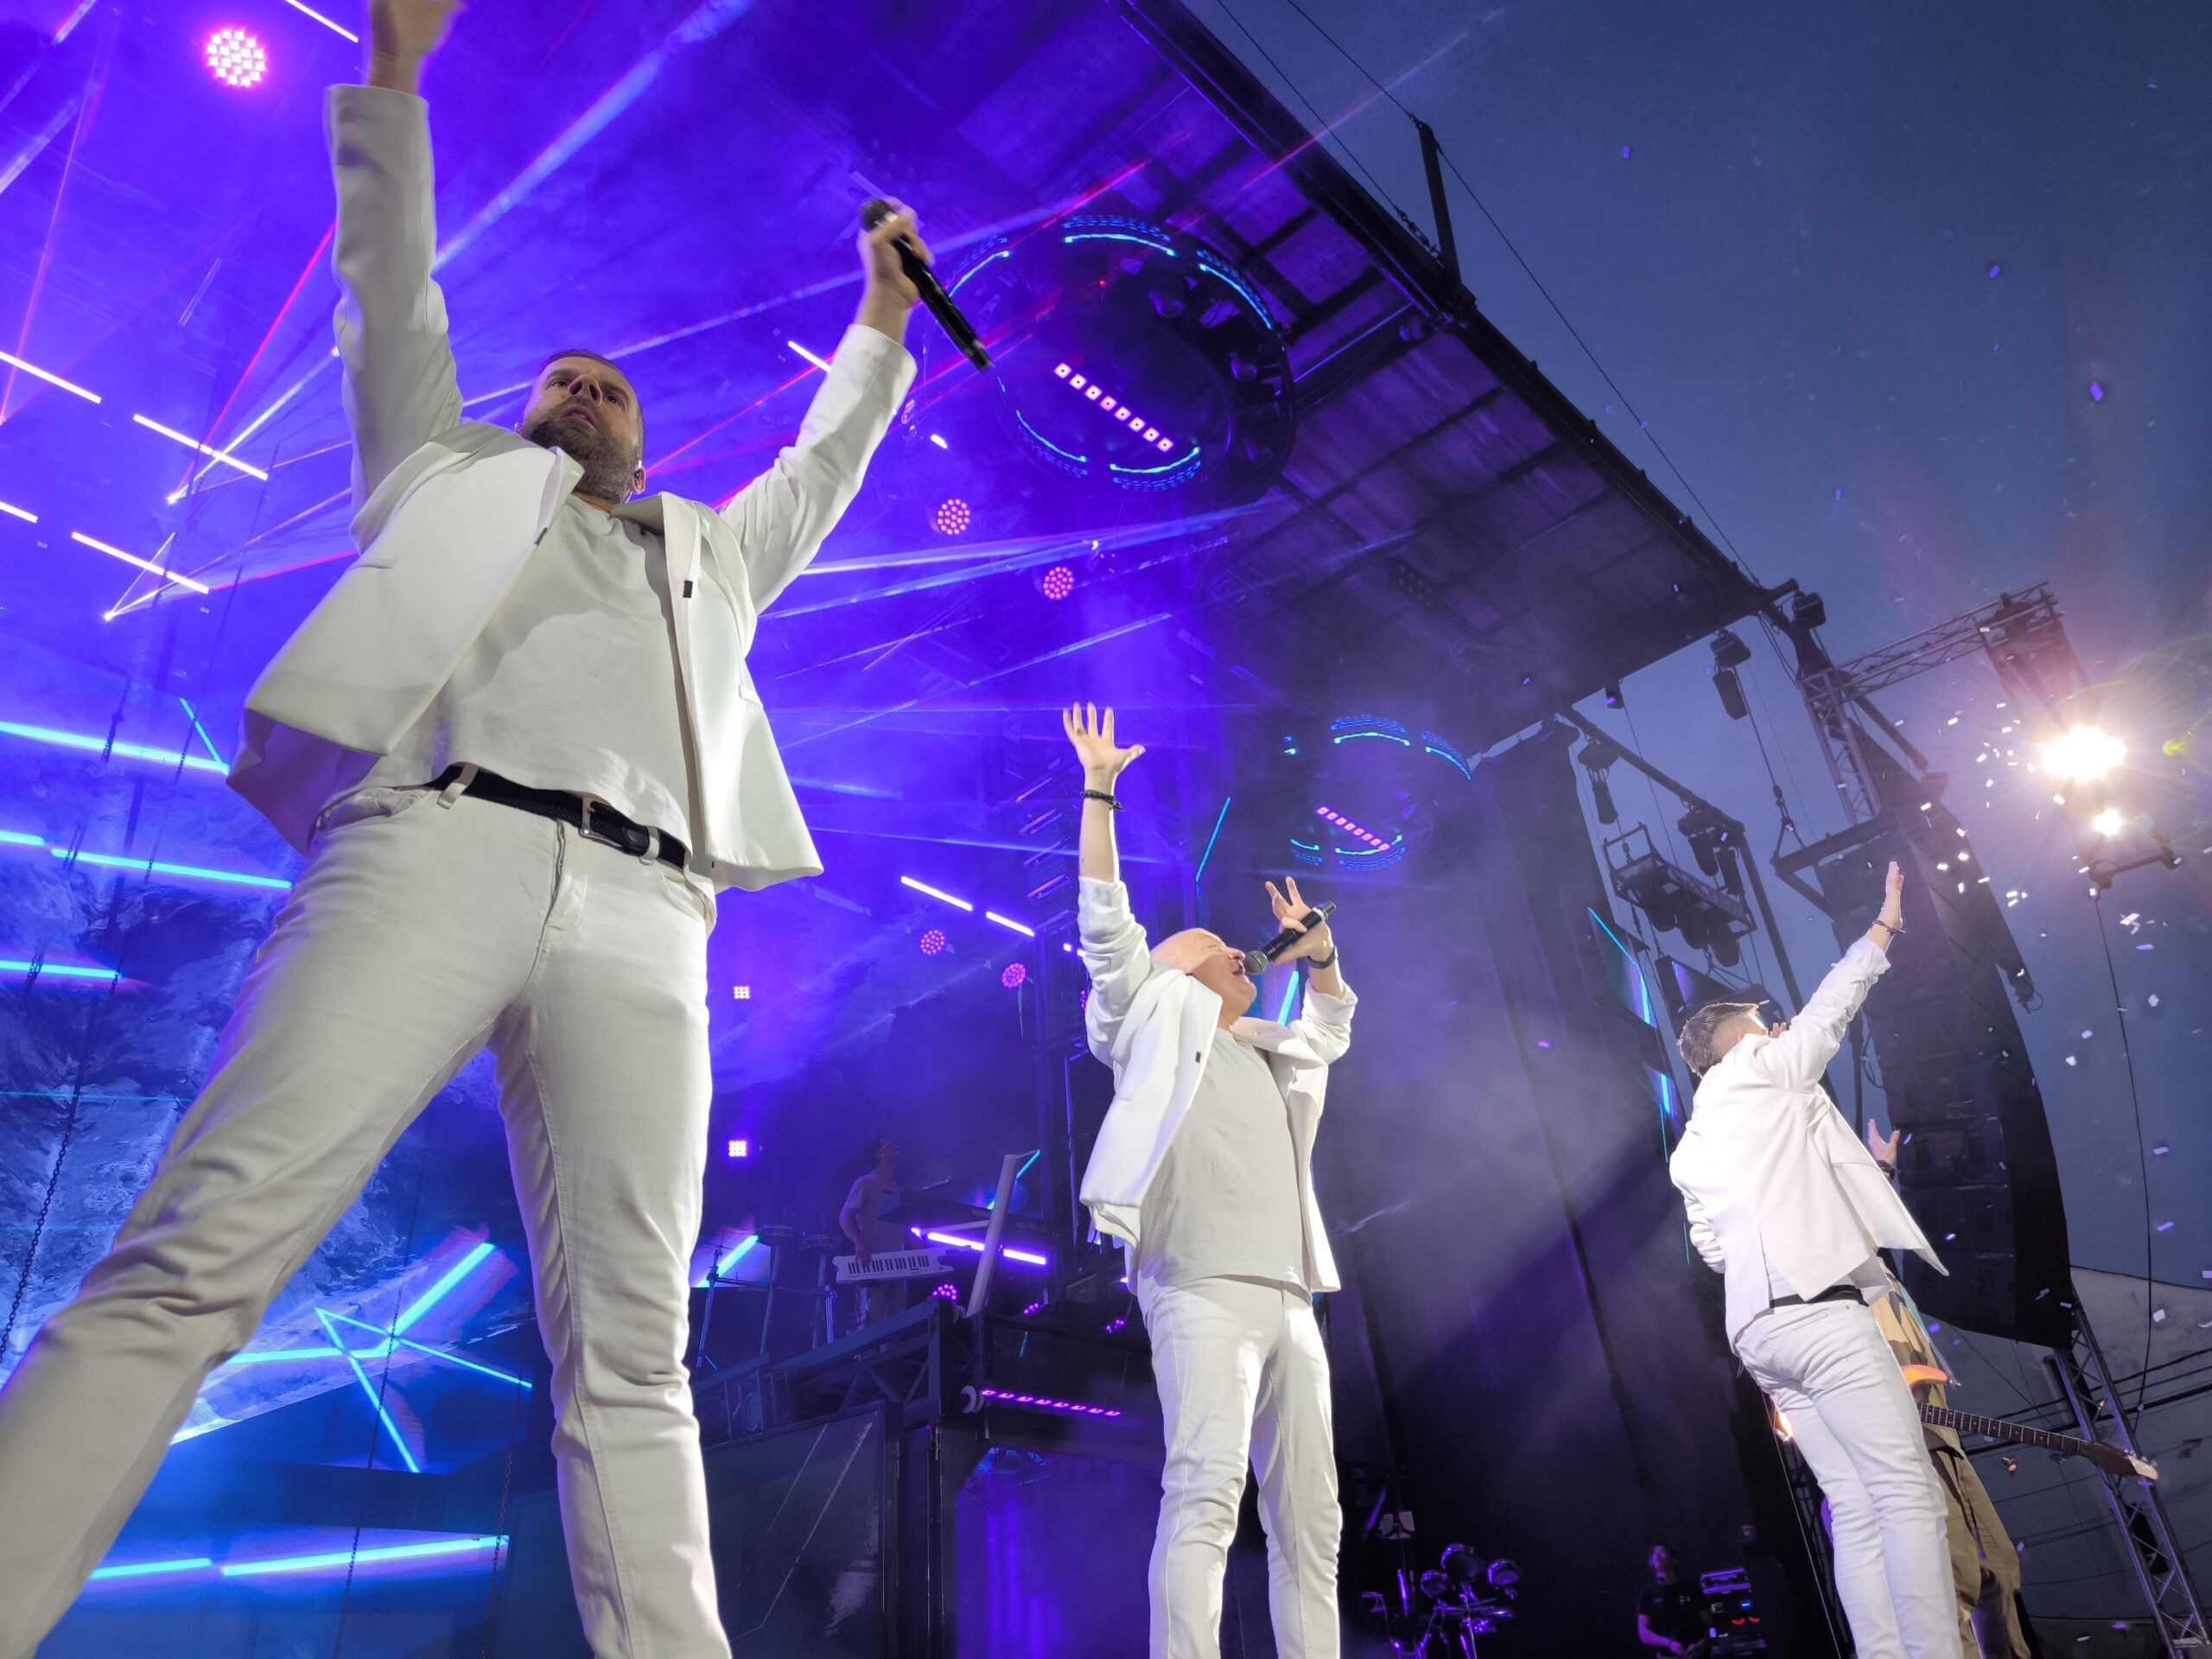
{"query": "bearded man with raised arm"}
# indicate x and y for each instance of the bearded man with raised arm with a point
(520, 745)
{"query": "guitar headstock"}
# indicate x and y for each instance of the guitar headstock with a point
(2114, 1461)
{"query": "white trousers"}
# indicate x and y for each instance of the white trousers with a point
(423, 929)
(1828, 1369)
(1243, 1378)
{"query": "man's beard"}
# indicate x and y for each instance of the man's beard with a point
(610, 465)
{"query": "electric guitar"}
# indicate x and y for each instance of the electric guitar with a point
(2110, 1458)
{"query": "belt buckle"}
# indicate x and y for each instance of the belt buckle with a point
(584, 825)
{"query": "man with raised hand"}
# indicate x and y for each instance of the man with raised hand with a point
(1203, 1169)
(518, 744)
(1787, 1201)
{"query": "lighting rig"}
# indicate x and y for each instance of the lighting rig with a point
(1712, 913)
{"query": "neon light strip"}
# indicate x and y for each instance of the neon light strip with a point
(147, 1569)
(153, 867)
(222, 455)
(1212, 838)
(818, 362)
(1289, 991)
(59, 971)
(69, 26)
(738, 1252)
(325, 21)
(976, 1245)
(207, 743)
(429, 1298)
(390, 1344)
(132, 558)
(363, 1557)
(272, 1356)
(1008, 921)
(1347, 737)
(1081, 460)
(1642, 985)
(13, 361)
(1120, 236)
(17, 838)
(1447, 754)
(100, 744)
(1001, 254)
(375, 1404)
(17, 512)
(923, 887)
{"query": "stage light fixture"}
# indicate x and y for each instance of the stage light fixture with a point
(741, 1147)
(209, 450)
(951, 518)
(1014, 976)
(2109, 823)
(1808, 611)
(236, 57)
(1613, 698)
(2082, 754)
(1596, 757)
(1022, 928)
(335, 28)
(819, 362)
(18, 512)
(936, 892)
(1060, 582)
(933, 942)
(79, 536)
(1729, 654)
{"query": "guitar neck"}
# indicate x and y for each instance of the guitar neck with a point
(1998, 1429)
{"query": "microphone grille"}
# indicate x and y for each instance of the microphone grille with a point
(1256, 963)
(873, 212)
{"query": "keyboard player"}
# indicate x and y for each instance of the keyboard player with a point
(866, 1221)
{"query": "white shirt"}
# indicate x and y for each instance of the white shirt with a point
(572, 685)
(1226, 1203)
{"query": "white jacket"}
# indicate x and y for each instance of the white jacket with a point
(448, 511)
(1769, 1169)
(1141, 1020)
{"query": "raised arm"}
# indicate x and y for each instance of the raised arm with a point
(400, 387)
(783, 516)
(1799, 1052)
(1109, 937)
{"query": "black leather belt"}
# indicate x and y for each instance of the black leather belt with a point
(594, 820)
(1833, 1294)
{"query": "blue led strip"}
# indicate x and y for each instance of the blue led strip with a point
(100, 745)
(182, 872)
(376, 1404)
(351, 1558)
(59, 970)
(1218, 823)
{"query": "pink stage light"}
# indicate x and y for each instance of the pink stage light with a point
(933, 942)
(951, 518)
(1060, 582)
(1014, 975)
(236, 57)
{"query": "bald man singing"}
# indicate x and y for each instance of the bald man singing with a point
(1203, 1169)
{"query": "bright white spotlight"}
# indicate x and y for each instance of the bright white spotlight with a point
(2082, 754)
(2107, 823)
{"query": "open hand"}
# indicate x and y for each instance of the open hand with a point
(1893, 898)
(1093, 737)
(1290, 910)
(1885, 1148)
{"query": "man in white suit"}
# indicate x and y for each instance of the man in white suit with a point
(1787, 1201)
(1202, 1168)
(518, 744)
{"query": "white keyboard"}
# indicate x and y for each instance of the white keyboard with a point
(890, 1264)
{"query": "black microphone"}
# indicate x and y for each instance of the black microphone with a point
(873, 214)
(1255, 962)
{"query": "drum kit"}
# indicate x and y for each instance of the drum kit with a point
(1439, 1613)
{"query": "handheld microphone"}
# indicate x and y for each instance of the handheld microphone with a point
(873, 214)
(1255, 962)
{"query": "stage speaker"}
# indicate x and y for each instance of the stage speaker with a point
(1977, 1168)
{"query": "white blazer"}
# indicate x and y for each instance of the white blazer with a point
(449, 513)
(1770, 1170)
(1142, 1019)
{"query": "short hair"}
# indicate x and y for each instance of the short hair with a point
(1699, 1030)
(579, 352)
